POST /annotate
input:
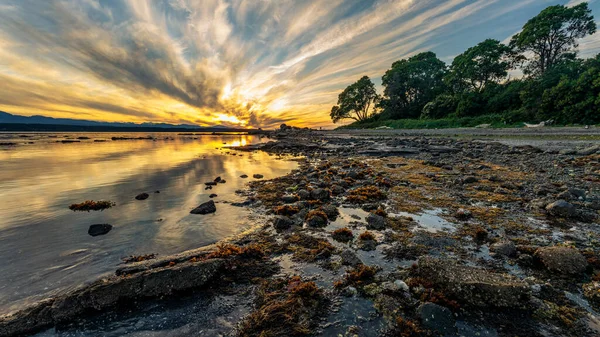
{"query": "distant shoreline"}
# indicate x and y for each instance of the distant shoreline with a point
(16, 127)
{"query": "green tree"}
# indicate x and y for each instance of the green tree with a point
(552, 35)
(487, 62)
(355, 101)
(412, 83)
(576, 100)
(439, 107)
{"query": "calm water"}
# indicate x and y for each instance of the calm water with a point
(45, 247)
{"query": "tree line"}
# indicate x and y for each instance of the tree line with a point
(556, 84)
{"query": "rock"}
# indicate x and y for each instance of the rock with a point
(474, 286)
(401, 285)
(303, 194)
(349, 258)
(157, 191)
(562, 260)
(99, 229)
(205, 208)
(289, 199)
(337, 190)
(437, 318)
(567, 151)
(562, 208)
(212, 196)
(505, 248)
(107, 293)
(367, 245)
(592, 292)
(244, 176)
(258, 176)
(317, 221)
(463, 214)
(470, 180)
(142, 196)
(375, 222)
(217, 179)
(210, 183)
(320, 194)
(331, 211)
(282, 223)
(223, 181)
(588, 151)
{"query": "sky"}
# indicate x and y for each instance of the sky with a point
(250, 63)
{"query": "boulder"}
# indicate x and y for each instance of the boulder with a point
(205, 208)
(474, 286)
(282, 223)
(505, 248)
(317, 221)
(142, 196)
(99, 229)
(349, 258)
(562, 260)
(562, 208)
(437, 318)
(331, 211)
(303, 194)
(588, 151)
(320, 194)
(375, 222)
(289, 199)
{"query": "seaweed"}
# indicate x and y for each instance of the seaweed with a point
(91, 205)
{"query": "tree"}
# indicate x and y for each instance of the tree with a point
(552, 35)
(412, 83)
(355, 101)
(485, 63)
(439, 107)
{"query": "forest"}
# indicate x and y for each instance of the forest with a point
(537, 77)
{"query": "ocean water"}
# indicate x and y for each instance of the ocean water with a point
(45, 247)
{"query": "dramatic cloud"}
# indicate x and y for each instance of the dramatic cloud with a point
(233, 62)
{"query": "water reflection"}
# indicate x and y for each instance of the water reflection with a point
(45, 246)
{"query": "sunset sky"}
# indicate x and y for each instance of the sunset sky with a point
(254, 63)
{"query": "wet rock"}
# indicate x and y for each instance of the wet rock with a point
(303, 194)
(349, 258)
(463, 214)
(437, 318)
(337, 190)
(588, 151)
(212, 196)
(470, 180)
(107, 293)
(562, 260)
(320, 194)
(217, 180)
(375, 222)
(367, 245)
(288, 199)
(210, 183)
(562, 208)
(142, 196)
(282, 223)
(244, 176)
(504, 248)
(258, 176)
(525, 260)
(205, 208)
(592, 292)
(99, 229)
(331, 211)
(474, 286)
(317, 220)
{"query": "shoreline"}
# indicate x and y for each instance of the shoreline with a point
(482, 208)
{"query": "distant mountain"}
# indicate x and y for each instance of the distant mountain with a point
(6, 118)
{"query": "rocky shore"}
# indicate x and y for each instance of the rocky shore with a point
(390, 236)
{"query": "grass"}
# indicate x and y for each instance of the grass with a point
(444, 123)
(91, 205)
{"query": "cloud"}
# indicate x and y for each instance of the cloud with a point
(254, 63)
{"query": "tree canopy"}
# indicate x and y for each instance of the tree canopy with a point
(552, 35)
(480, 65)
(355, 101)
(412, 83)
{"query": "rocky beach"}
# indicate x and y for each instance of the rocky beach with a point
(379, 234)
